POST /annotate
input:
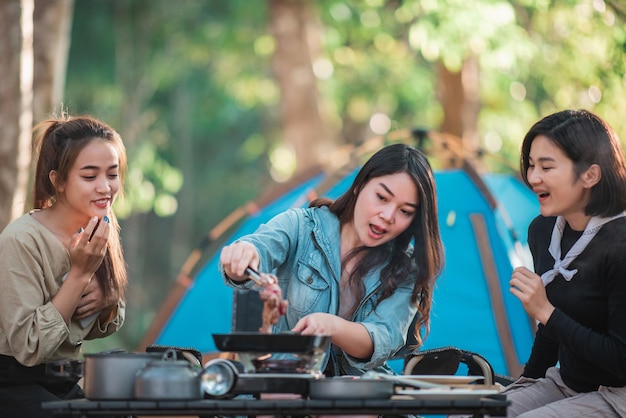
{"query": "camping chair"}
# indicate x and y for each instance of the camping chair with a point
(446, 361)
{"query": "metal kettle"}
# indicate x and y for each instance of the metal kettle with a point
(169, 378)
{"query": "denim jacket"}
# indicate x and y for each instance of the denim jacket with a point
(302, 247)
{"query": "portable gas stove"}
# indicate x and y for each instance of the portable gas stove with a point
(257, 384)
(260, 371)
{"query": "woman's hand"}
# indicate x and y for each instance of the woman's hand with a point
(93, 301)
(528, 288)
(88, 247)
(235, 258)
(351, 337)
(86, 255)
(319, 323)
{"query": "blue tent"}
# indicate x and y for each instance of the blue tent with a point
(483, 220)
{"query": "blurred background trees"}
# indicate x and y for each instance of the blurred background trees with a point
(220, 100)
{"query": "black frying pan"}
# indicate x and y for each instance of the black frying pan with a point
(271, 343)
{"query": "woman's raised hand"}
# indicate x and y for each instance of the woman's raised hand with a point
(87, 250)
(529, 289)
(88, 247)
(235, 258)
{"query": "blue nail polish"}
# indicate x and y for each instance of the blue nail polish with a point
(105, 219)
(80, 230)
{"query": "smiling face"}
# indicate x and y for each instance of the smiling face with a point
(552, 177)
(92, 182)
(384, 208)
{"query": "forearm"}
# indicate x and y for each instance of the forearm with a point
(544, 354)
(354, 339)
(603, 349)
(70, 294)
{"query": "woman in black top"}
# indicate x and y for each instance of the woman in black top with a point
(574, 162)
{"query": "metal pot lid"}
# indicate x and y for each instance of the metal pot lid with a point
(122, 354)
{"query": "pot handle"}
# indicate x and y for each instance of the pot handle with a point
(170, 355)
(191, 359)
(180, 351)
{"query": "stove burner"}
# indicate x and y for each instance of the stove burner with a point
(282, 366)
(267, 363)
(258, 353)
(256, 384)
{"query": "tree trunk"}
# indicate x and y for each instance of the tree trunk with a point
(33, 58)
(302, 125)
(53, 24)
(16, 96)
(458, 94)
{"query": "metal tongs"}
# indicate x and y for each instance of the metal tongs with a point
(261, 279)
(405, 381)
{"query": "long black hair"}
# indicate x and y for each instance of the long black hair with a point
(425, 262)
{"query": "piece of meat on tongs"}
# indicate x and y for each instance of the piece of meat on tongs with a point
(272, 296)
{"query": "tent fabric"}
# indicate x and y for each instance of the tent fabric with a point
(473, 308)
(463, 312)
(206, 306)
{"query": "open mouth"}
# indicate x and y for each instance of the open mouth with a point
(102, 202)
(377, 231)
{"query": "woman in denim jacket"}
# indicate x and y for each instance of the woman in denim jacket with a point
(347, 267)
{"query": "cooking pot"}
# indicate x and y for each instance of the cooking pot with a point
(350, 387)
(168, 378)
(110, 375)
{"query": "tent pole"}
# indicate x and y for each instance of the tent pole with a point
(495, 294)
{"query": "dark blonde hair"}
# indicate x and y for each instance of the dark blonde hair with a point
(58, 142)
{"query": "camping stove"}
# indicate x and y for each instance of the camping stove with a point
(226, 378)
(275, 363)
(266, 374)
(261, 383)
(292, 363)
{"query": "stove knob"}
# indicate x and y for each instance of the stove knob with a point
(218, 377)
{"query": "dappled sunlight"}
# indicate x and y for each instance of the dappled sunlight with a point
(283, 163)
(165, 205)
(518, 91)
(380, 123)
(265, 45)
(323, 68)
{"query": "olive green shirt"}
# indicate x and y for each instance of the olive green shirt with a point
(33, 264)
